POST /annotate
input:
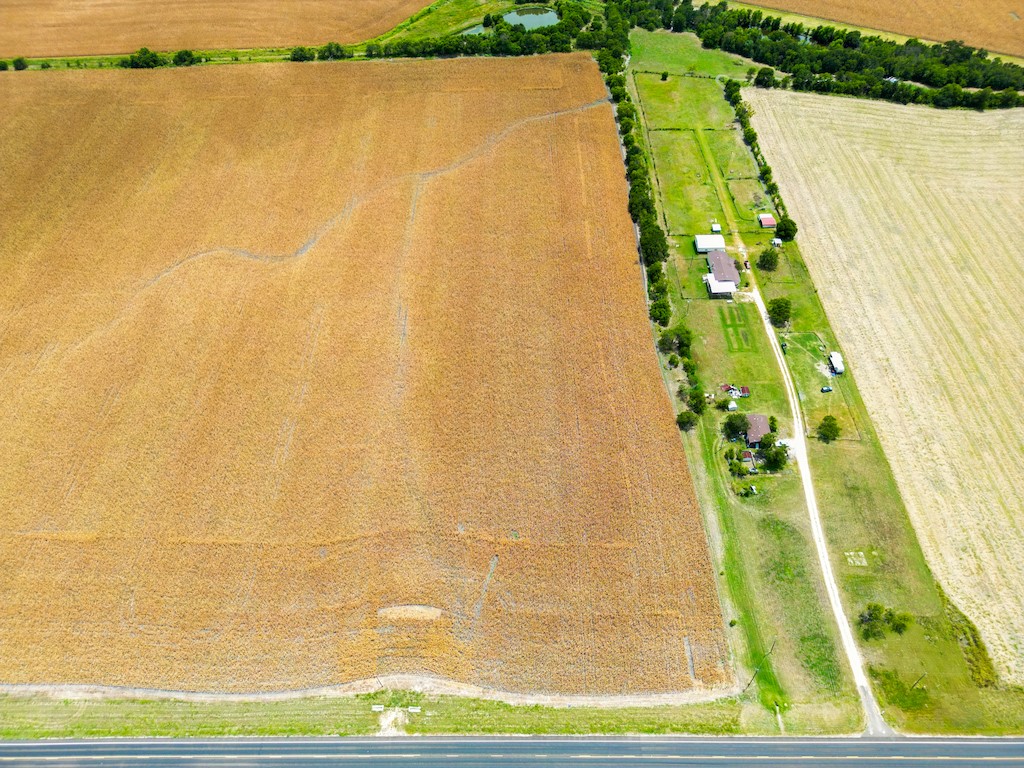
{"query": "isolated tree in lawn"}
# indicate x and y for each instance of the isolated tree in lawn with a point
(780, 311)
(768, 260)
(829, 429)
(664, 76)
(786, 229)
(735, 426)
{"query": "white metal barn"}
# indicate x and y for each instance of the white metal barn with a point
(707, 243)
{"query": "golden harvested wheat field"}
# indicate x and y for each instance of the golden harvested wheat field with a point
(912, 224)
(82, 27)
(995, 25)
(314, 373)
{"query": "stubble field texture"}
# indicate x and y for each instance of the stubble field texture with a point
(319, 373)
(911, 222)
(82, 27)
(995, 25)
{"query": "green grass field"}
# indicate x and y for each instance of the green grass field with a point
(688, 198)
(766, 563)
(39, 717)
(873, 547)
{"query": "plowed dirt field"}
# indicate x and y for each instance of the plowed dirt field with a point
(83, 27)
(911, 222)
(315, 373)
(995, 25)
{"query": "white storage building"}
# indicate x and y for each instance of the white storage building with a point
(707, 243)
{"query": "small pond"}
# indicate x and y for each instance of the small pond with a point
(532, 18)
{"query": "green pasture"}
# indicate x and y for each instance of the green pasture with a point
(733, 156)
(660, 51)
(683, 102)
(688, 197)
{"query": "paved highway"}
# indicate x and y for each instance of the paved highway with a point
(516, 752)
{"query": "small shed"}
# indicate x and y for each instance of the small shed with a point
(757, 430)
(744, 391)
(776, 242)
(716, 229)
(766, 220)
(835, 362)
(732, 406)
(707, 243)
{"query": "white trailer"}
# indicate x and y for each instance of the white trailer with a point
(835, 361)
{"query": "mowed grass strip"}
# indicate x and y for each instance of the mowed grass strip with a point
(309, 380)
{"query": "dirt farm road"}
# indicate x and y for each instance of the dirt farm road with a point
(876, 725)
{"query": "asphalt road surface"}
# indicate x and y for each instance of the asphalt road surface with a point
(509, 752)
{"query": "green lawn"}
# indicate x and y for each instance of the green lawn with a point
(683, 102)
(732, 154)
(660, 51)
(769, 571)
(40, 717)
(688, 198)
(767, 566)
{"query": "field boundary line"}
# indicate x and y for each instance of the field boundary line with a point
(419, 683)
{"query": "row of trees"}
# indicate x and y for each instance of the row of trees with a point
(328, 52)
(19, 64)
(830, 60)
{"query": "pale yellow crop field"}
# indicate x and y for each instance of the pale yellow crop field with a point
(316, 373)
(912, 224)
(82, 27)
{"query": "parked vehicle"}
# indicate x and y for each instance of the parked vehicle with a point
(826, 389)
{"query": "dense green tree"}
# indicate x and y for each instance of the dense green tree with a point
(302, 53)
(686, 420)
(828, 430)
(735, 426)
(143, 59)
(20, 63)
(765, 78)
(780, 311)
(786, 229)
(768, 260)
(333, 52)
(184, 58)
(661, 312)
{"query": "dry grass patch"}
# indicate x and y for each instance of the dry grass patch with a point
(995, 25)
(912, 224)
(318, 373)
(63, 28)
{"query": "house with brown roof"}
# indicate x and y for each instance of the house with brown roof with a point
(757, 430)
(722, 278)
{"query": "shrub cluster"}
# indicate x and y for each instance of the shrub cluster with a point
(876, 619)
